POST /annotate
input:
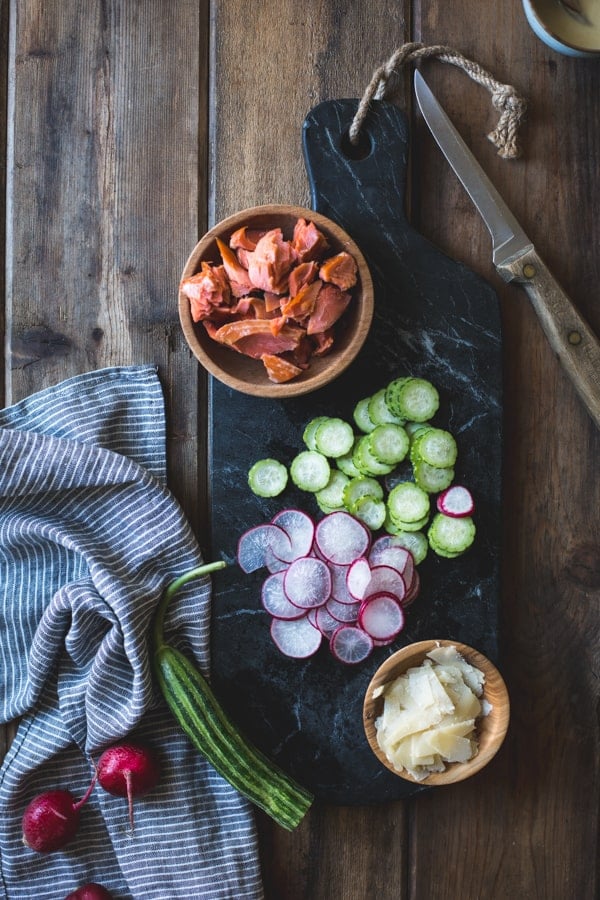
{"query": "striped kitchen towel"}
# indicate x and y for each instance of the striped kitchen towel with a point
(89, 538)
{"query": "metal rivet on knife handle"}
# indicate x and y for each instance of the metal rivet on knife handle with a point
(574, 337)
(528, 270)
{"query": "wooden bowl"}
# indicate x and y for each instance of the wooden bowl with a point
(490, 729)
(248, 375)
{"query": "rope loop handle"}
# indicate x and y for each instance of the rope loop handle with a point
(505, 99)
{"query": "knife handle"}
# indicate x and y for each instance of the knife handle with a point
(569, 334)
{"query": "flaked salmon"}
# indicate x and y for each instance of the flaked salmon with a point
(274, 298)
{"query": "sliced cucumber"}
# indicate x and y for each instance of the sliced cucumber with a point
(332, 495)
(407, 503)
(267, 478)
(310, 471)
(346, 464)
(400, 525)
(370, 511)
(449, 535)
(364, 460)
(357, 488)
(388, 443)
(415, 399)
(333, 437)
(432, 478)
(361, 416)
(380, 412)
(436, 447)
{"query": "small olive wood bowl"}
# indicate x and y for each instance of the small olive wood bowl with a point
(491, 729)
(249, 375)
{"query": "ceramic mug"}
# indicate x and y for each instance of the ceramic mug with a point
(565, 30)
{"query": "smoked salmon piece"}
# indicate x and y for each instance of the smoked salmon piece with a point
(303, 303)
(331, 304)
(340, 270)
(270, 263)
(245, 238)
(273, 299)
(308, 242)
(279, 369)
(206, 290)
(254, 337)
(302, 274)
(237, 274)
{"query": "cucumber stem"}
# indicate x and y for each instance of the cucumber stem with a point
(172, 588)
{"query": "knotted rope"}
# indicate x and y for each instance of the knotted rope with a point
(505, 99)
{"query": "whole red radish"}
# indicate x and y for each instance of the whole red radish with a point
(128, 770)
(91, 891)
(51, 819)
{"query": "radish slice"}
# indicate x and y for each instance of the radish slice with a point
(307, 582)
(381, 616)
(274, 564)
(296, 638)
(274, 600)
(325, 621)
(397, 557)
(379, 550)
(456, 501)
(300, 529)
(350, 644)
(358, 577)
(343, 612)
(258, 545)
(341, 538)
(413, 590)
(384, 578)
(339, 584)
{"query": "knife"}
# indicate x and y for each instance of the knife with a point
(515, 258)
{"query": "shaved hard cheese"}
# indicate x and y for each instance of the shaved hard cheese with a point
(430, 713)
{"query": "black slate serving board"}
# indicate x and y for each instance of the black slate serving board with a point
(433, 318)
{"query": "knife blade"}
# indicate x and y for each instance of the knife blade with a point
(516, 258)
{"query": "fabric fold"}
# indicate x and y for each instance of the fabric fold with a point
(89, 537)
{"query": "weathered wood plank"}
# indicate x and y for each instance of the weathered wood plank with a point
(107, 196)
(528, 825)
(301, 55)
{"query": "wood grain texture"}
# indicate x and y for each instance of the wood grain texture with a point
(533, 814)
(121, 149)
(106, 196)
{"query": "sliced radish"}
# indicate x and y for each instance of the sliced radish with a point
(358, 577)
(456, 501)
(259, 544)
(296, 637)
(307, 582)
(397, 557)
(381, 616)
(384, 578)
(341, 538)
(274, 564)
(343, 612)
(339, 584)
(413, 590)
(350, 644)
(300, 529)
(274, 600)
(311, 615)
(325, 622)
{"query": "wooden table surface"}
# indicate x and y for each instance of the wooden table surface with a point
(131, 125)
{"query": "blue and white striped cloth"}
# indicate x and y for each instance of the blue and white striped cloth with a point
(89, 538)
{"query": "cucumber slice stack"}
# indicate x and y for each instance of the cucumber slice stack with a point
(383, 468)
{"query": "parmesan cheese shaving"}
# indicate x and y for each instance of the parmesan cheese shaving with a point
(429, 714)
